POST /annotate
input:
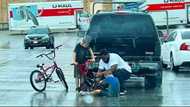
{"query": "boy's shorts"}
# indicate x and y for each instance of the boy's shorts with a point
(80, 70)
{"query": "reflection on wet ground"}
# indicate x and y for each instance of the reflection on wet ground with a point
(47, 98)
(134, 97)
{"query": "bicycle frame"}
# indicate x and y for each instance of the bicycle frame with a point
(45, 70)
(54, 66)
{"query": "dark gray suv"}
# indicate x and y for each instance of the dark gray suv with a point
(133, 36)
(38, 37)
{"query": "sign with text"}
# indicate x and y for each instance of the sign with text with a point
(166, 6)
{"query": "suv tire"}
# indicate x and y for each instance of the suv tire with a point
(153, 81)
(164, 65)
(26, 47)
(48, 47)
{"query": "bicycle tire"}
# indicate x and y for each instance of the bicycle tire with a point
(62, 78)
(33, 82)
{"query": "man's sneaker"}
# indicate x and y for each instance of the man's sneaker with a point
(123, 92)
(82, 93)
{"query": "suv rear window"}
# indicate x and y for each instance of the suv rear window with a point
(128, 34)
(121, 24)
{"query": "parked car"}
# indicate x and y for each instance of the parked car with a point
(175, 50)
(134, 37)
(39, 37)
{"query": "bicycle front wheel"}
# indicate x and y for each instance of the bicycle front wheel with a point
(38, 81)
(62, 78)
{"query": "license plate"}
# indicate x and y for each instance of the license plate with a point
(35, 41)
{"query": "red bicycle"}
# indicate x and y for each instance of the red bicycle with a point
(40, 77)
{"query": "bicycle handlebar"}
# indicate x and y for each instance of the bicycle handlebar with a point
(46, 54)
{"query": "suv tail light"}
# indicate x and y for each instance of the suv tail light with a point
(184, 47)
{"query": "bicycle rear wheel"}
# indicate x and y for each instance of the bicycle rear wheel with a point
(38, 81)
(62, 78)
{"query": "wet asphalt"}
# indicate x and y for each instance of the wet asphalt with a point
(16, 64)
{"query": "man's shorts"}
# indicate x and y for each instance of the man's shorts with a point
(122, 74)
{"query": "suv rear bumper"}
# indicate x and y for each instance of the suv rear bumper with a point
(146, 69)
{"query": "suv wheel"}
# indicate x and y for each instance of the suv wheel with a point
(164, 65)
(47, 47)
(155, 80)
(52, 46)
(26, 47)
(152, 82)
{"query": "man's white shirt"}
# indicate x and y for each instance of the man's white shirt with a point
(114, 59)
